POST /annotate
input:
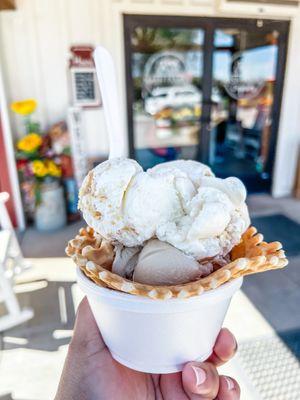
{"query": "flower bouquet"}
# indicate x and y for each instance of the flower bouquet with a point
(39, 169)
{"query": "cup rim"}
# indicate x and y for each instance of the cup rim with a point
(224, 291)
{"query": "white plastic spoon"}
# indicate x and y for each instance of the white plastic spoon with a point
(106, 74)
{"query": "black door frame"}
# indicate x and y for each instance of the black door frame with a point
(209, 25)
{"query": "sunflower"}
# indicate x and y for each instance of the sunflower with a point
(24, 107)
(39, 168)
(29, 143)
(53, 169)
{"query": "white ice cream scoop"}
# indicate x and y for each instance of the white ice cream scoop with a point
(231, 186)
(212, 225)
(102, 195)
(180, 203)
(155, 199)
(194, 170)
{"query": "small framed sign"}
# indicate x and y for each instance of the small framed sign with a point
(84, 85)
(85, 90)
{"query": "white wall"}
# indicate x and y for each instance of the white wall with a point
(35, 41)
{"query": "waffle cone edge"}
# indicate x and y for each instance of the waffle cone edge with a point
(94, 256)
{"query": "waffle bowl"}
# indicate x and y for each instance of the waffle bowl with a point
(94, 256)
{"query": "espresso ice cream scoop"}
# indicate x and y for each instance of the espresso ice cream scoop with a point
(159, 263)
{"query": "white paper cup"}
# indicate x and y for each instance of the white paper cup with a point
(158, 336)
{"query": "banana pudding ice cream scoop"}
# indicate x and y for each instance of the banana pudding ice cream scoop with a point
(102, 196)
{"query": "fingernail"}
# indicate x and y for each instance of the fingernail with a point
(200, 375)
(230, 384)
(235, 345)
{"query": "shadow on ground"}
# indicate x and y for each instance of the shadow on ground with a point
(48, 244)
(276, 294)
(53, 315)
(7, 397)
(279, 227)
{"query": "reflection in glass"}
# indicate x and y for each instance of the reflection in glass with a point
(244, 70)
(167, 78)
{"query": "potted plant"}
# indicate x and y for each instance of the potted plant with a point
(40, 173)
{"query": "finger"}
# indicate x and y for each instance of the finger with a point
(171, 387)
(200, 380)
(156, 383)
(224, 348)
(86, 329)
(228, 389)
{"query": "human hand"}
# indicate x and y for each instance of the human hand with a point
(90, 372)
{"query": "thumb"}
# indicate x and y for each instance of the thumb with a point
(86, 331)
(200, 380)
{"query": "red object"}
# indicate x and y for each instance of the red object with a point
(5, 184)
(66, 166)
(82, 56)
(21, 164)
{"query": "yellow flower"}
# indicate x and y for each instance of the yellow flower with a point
(53, 169)
(29, 143)
(24, 107)
(39, 169)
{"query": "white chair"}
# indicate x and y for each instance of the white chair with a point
(11, 263)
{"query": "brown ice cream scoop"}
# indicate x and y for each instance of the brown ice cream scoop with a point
(159, 263)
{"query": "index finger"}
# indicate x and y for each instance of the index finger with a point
(86, 329)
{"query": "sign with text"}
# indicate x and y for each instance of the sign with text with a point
(166, 68)
(84, 86)
(242, 83)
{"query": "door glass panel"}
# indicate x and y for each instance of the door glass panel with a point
(167, 69)
(244, 70)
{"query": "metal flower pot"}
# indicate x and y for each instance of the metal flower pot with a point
(50, 213)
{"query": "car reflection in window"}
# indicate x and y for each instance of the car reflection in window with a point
(172, 96)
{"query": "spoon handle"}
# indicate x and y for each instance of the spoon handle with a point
(106, 74)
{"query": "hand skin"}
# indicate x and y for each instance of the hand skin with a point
(90, 372)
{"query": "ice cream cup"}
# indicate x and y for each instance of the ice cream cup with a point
(158, 336)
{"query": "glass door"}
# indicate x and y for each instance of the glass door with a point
(245, 83)
(166, 78)
(207, 89)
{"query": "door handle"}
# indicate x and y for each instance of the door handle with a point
(207, 122)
